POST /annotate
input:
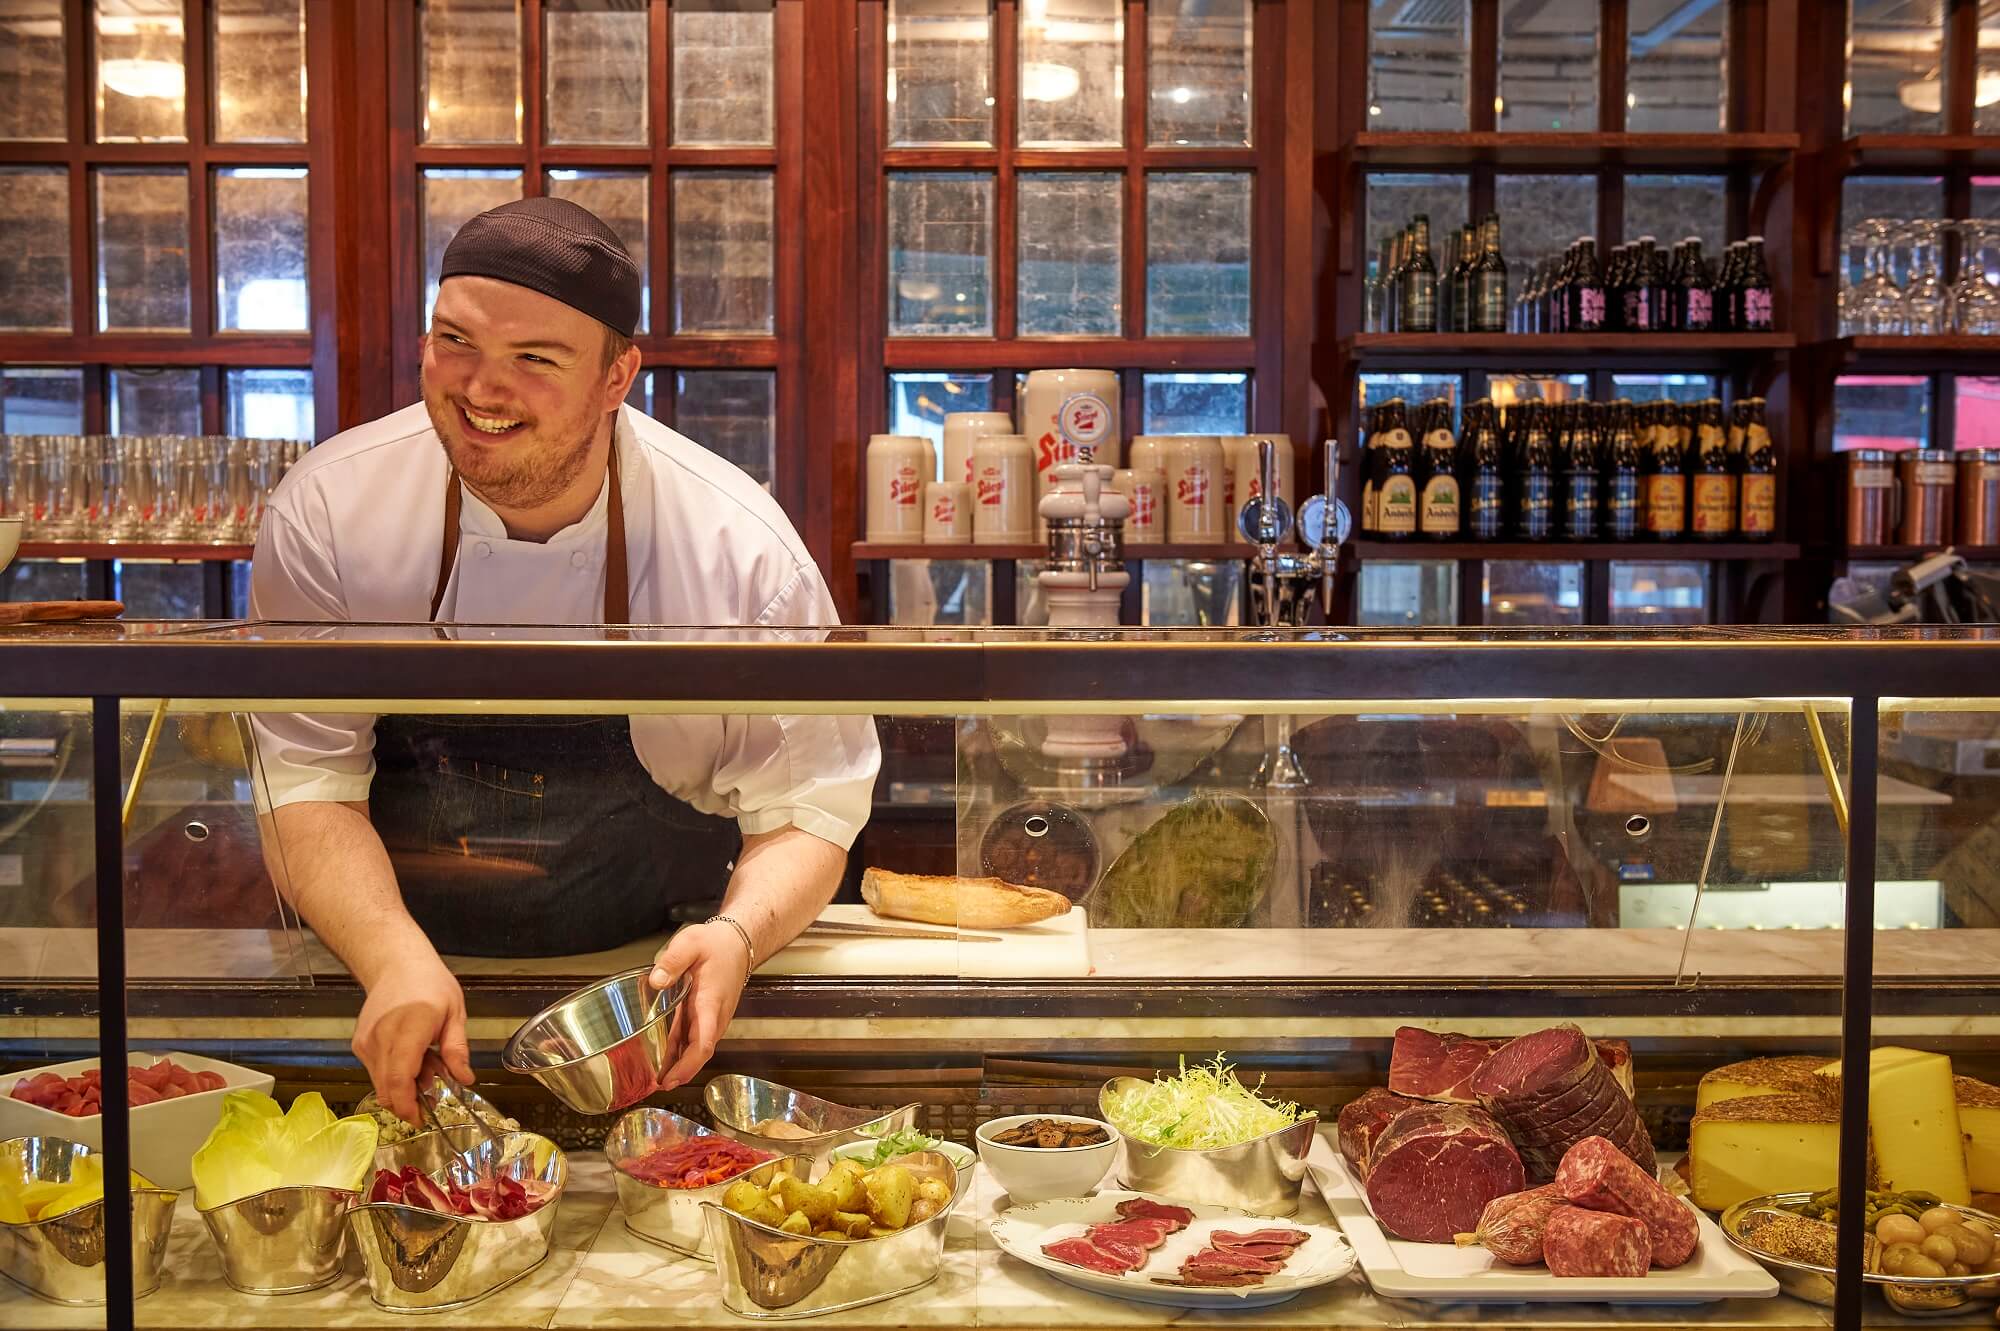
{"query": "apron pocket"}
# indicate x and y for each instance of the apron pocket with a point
(486, 811)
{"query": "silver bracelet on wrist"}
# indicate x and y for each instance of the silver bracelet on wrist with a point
(741, 932)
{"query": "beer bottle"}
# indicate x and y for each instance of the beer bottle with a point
(1376, 318)
(1666, 482)
(1466, 241)
(1622, 508)
(1757, 517)
(1713, 483)
(1584, 300)
(1438, 516)
(1535, 508)
(1696, 301)
(1581, 480)
(1420, 280)
(1486, 479)
(1728, 290)
(1639, 290)
(1662, 287)
(1755, 300)
(1489, 280)
(1396, 492)
(1371, 457)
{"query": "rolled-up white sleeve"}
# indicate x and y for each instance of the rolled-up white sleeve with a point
(816, 773)
(304, 756)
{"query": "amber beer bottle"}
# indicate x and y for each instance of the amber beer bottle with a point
(1666, 480)
(1420, 282)
(1714, 481)
(1757, 515)
(1438, 516)
(1486, 478)
(1396, 493)
(1371, 452)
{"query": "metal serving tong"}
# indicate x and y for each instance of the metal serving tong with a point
(844, 929)
(436, 1087)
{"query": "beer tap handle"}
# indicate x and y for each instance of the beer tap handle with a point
(1093, 516)
(1328, 552)
(1267, 550)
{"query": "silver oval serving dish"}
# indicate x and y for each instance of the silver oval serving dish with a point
(740, 1105)
(283, 1241)
(1263, 1176)
(770, 1275)
(418, 1260)
(1813, 1282)
(604, 1047)
(61, 1259)
(672, 1217)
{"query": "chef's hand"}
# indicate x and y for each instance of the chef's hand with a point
(409, 1009)
(717, 965)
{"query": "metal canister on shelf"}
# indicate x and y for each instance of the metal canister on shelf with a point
(1927, 480)
(1194, 491)
(1979, 497)
(1239, 460)
(1003, 490)
(961, 430)
(899, 466)
(1147, 491)
(947, 513)
(1871, 496)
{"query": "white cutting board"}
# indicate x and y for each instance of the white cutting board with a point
(1052, 950)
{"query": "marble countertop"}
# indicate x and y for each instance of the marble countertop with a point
(599, 1275)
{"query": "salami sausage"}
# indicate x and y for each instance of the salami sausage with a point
(1598, 1176)
(1577, 1242)
(1511, 1227)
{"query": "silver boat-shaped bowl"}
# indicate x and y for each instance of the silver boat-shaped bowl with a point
(738, 1104)
(283, 1241)
(421, 1261)
(770, 1275)
(472, 1100)
(672, 1217)
(1263, 1176)
(1916, 1295)
(61, 1259)
(603, 1048)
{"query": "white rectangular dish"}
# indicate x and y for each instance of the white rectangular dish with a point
(165, 1134)
(1441, 1273)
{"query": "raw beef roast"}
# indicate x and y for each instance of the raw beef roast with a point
(1511, 1227)
(1436, 1066)
(1363, 1119)
(1600, 1177)
(1432, 1173)
(1551, 1090)
(1595, 1243)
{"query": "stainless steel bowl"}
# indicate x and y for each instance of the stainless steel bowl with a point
(604, 1047)
(1263, 1176)
(61, 1259)
(738, 1104)
(770, 1275)
(1812, 1282)
(284, 1241)
(420, 1261)
(672, 1217)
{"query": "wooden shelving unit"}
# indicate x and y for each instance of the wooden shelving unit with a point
(1527, 351)
(1908, 152)
(1532, 151)
(133, 550)
(1572, 551)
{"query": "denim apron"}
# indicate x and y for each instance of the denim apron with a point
(527, 836)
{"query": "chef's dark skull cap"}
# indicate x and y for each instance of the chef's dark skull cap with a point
(556, 247)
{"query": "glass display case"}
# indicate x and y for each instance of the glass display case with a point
(1653, 890)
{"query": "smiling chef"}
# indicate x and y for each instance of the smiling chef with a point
(522, 490)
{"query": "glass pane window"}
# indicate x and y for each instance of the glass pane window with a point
(451, 198)
(722, 71)
(1072, 75)
(1881, 411)
(1660, 595)
(1664, 387)
(1418, 594)
(33, 75)
(1543, 214)
(723, 252)
(940, 254)
(158, 588)
(47, 580)
(919, 400)
(268, 404)
(1417, 59)
(259, 61)
(1524, 592)
(1071, 230)
(1672, 208)
(593, 72)
(155, 401)
(1986, 197)
(733, 413)
(639, 396)
(141, 52)
(142, 249)
(940, 72)
(34, 249)
(1895, 67)
(471, 71)
(41, 400)
(1677, 55)
(1548, 66)
(1197, 254)
(1199, 75)
(1863, 198)
(927, 592)
(260, 248)
(1976, 412)
(1986, 97)
(1413, 388)
(1196, 403)
(1396, 197)
(619, 197)
(1507, 389)
(1173, 593)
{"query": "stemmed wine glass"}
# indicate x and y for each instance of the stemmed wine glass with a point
(1974, 303)
(1925, 302)
(1878, 301)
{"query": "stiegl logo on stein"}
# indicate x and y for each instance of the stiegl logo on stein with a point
(944, 512)
(1084, 419)
(992, 489)
(1145, 506)
(903, 488)
(1192, 486)
(1053, 450)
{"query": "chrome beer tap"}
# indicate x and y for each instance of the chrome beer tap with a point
(1279, 578)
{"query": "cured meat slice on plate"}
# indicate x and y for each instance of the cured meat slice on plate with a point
(1223, 1238)
(1145, 1208)
(1270, 1252)
(1551, 1090)
(1138, 1233)
(1364, 1119)
(1082, 1252)
(1434, 1170)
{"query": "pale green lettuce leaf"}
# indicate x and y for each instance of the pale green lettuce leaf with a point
(254, 1148)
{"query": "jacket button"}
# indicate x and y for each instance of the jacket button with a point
(485, 550)
(578, 559)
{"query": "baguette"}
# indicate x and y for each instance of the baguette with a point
(966, 903)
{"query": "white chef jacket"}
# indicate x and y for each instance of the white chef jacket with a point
(352, 533)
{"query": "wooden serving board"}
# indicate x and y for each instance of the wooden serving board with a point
(1053, 949)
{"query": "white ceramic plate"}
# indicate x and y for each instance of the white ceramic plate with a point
(1442, 1273)
(1021, 1231)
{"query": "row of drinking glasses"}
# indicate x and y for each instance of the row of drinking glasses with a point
(1900, 289)
(98, 488)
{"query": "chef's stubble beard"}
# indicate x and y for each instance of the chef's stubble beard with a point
(536, 472)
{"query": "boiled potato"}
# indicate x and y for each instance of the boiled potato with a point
(796, 1223)
(767, 1212)
(1920, 1265)
(843, 1183)
(830, 1235)
(797, 1195)
(1895, 1229)
(1937, 1218)
(1940, 1249)
(1896, 1257)
(892, 1191)
(742, 1198)
(934, 1190)
(852, 1224)
(923, 1209)
(1972, 1247)
(882, 1231)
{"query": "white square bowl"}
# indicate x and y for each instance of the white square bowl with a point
(165, 1134)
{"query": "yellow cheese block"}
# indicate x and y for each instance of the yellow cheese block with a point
(1790, 1074)
(1979, 1119)
(1752, 1146)
(1913, 1119)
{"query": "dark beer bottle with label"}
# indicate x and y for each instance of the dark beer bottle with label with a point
(1438, 509)
(1396, 492)
(1623, 510)
(1489, 281)
(1456, 295)
(1666, 480)
(1729, 291)
(1420, 280)
(1755, 298)
(1696, 300)
(1581, 478)
(1486, 475)
(1713, 484)
(1535, 506)
(1584, 297)
(1758, 512)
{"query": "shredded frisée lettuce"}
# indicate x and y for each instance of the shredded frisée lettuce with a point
(1205, 1107)
(904, 1141)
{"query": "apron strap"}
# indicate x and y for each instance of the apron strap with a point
(617, 594)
